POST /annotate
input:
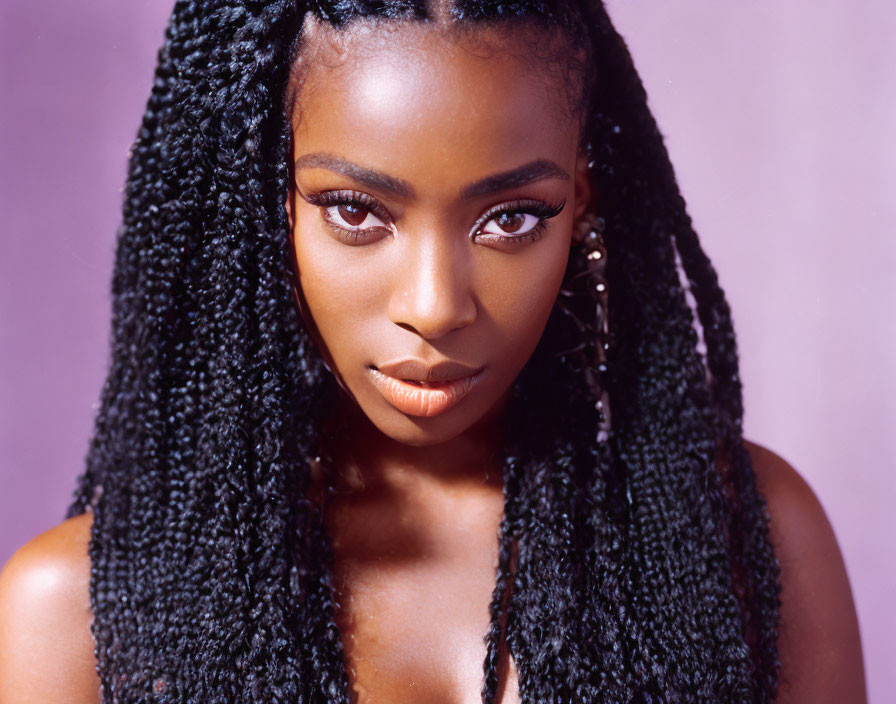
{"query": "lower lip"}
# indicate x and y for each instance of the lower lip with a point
(423, 400)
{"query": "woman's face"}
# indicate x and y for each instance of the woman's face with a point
(435, 188)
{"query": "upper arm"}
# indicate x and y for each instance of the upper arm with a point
(818, 634)
(46, 648)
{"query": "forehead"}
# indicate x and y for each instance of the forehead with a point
(403, 88)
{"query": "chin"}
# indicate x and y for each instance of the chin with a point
(421, 432)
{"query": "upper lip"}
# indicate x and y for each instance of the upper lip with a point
(418, 370)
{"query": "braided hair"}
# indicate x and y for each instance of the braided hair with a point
(633, 568)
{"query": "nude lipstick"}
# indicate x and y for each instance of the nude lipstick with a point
(417, 397)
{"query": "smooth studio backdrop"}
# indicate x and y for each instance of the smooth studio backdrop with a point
(779, 118)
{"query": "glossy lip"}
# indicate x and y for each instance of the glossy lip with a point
(427, 401)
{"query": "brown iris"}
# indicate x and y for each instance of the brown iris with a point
(510, 222)
(353, 214)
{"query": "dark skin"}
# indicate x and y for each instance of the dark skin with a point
(418, 499)
(432, 280)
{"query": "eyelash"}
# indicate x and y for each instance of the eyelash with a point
(539, 209)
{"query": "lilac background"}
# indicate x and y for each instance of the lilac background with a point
(779, 118)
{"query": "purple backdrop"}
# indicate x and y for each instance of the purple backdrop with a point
(778, 117)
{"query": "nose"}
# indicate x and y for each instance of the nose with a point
(433, 292)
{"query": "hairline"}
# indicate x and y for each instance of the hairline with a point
(553, 55)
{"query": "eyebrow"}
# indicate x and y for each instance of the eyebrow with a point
(527, 173)
(369, 177)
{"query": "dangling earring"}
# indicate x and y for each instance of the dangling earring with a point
(590, 229)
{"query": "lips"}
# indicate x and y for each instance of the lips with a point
(417, 370)
(418, 389)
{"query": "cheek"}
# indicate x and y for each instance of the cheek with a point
(520, 301)
(339, 294)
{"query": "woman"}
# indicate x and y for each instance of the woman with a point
(407, 402)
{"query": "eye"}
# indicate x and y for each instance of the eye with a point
(516, 222)
(511, 223)
(354, 215)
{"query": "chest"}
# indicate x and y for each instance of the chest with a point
(416, 640)
(413, 615)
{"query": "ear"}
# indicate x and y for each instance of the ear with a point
(585, 194)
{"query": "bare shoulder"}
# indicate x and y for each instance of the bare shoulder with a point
(818, 636)
(46, 647)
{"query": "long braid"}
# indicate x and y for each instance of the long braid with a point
(747, 516)
(746, 523)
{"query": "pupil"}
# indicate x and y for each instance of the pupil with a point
(511, 222)
(353, 214)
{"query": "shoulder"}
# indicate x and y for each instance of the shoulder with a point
(818, 634)
(46, 647)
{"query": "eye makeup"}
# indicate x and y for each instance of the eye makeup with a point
(536, 208)
(528, 208)
(329, 200)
